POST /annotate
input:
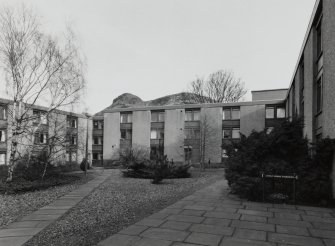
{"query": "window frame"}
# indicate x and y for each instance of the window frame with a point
(128, 132)
(230, 110)
(319, 95)
(160, 116)
(128, 119)
(5, 135)
(4, 154)
(3, 112)
(194, 115)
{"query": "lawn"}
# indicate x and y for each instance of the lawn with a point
(16, 206)
(116, 204)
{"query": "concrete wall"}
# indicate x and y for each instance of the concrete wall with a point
(268, 94)
(111, 136)
(328, 109)
(141, 129)
(174, 134)
(252, 118)
(308, 88)
(213, 118)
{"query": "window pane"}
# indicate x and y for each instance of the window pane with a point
(236, 133)
(280, 112)
(235, 114)
(161, 117)
(196, 115)
(226, 133)
(130, 118)
(270, 113)
(123, 134)
(2, 136)
(44, 119)
(153, 134)
(319, 96)
(226, 114)
(128, 134)
(224, 153)
(154, 117)
(188, 116)
(2, 159)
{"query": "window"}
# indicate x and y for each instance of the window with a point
(319, 39)
(2, 113)
(192, 134)
(2, 159)
(188, 153)
(95, 156)
(226, 133)
(73, 140)
(2, 135)
(157, 134)
(40, 117)
(97, 141)
(269, 112)
(236, 133)
(192, 115)
(71, 156)
(226, 114)
(126, 118)
(72, 122)
(41, 138)
(280, 112)
(157, 116)
(126, 133)
(98, 124)
(224, 154)
(319, 96)
(231, 114)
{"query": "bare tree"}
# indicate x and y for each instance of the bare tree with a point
(39, 69)
(206, 133)
(220, 87)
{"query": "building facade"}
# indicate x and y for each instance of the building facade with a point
(64, 135)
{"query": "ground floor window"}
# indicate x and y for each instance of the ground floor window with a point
(2, 159)
(97, 156)
(188, 154)
(156, 152)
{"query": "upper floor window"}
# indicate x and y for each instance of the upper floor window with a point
(269, 112)
(73, 140)
(231, 114)
(2, 135)
(319, 46)
(157, 116)
(157, 134)
(126, 133)
(273, 112)
(97, 140)
(98, 124)
(192, 115)
(126, 118)
(3, 115)
(41, 138)
(72, 122)
(319, 96)
(192, 133)
(40, 117)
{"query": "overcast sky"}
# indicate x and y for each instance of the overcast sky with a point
(153, 48)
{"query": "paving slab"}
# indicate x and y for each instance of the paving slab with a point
(211, 216)
(19, 232)
(204, 239)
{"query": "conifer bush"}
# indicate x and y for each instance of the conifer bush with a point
(284, 151)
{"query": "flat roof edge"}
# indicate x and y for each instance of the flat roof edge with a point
(189, 106)
(270, 90)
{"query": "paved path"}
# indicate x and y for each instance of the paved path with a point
(19, 232)
(211, 217)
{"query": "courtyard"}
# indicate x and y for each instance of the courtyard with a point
(111, 210)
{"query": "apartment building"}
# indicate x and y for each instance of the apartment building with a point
(65, 131)
(178, 131)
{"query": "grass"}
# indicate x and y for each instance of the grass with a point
(116, 204)
(17, 205)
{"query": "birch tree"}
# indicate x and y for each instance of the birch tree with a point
(39, 69)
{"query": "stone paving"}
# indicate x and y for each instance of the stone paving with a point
(212, 217)
(19, 232)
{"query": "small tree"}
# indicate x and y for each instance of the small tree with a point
(220, 87)
(206, 133)
(39, 69)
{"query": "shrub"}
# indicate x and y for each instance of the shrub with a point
(282, 152)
